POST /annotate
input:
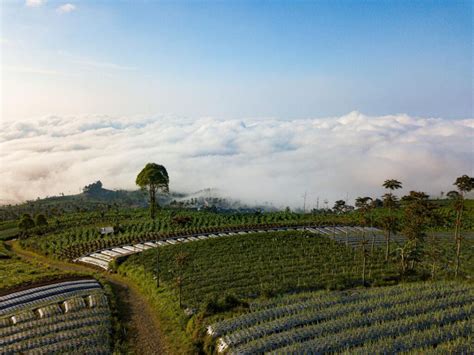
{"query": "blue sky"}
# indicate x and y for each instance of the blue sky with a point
(237, 59)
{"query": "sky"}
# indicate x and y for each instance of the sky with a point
(263, 100)
(234, 59)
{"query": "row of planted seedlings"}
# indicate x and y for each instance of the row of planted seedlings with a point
(309, 319)
(251, 265)
(93, 243)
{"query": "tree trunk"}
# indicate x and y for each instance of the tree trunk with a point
(458, 255)
(456, 225)
(152, 202)
(363, 267)
(387, 245)
(402, 257)
(458, 243)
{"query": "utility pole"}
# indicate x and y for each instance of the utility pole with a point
(317, 203)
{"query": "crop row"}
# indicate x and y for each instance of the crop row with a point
(357, 336)
(248, 265)
(332, 302)
(309, 325)
(372, 321)
(83, 237)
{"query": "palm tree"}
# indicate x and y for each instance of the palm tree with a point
(392, 184)
(464, 184)
(153, 177)
(390, 201)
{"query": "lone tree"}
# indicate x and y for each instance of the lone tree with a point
(390, 201)
(152, 178)
(464, 184)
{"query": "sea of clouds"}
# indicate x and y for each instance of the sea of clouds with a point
(252, 160)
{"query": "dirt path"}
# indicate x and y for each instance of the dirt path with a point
(143, 334)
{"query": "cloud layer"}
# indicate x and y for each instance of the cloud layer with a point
(64, 9)
(254, 160)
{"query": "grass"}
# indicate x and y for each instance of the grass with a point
(16, 271)
(171, 318)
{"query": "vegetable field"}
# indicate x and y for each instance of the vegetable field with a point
(66, 317)
(78, 236)
(258, 264)
(415, 317)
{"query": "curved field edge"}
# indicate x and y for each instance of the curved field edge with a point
(67, 271)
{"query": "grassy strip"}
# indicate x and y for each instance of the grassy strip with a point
(164, 303)
(17, 271)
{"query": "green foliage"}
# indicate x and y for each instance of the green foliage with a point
(41, 220)
(464, 183)
(77, 234)
(26, 223)
(228, 302)
(153, 178)
(261, 264)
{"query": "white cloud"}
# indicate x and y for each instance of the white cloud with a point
(252, 160)
(35, 3)
(66, 8)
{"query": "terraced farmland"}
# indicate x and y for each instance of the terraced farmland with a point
(253, 264)
(349, 236)
(65, 317)
(417, 317)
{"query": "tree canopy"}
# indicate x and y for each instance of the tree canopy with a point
(392, 184)
(152, 178)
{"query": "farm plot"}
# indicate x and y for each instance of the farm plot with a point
(65, 317)
(415, 317)
(74, 235)
(357, 237)
(352, 236)
(253, 264)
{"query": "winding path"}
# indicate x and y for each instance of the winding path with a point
(136, 314)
